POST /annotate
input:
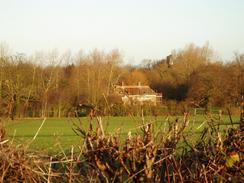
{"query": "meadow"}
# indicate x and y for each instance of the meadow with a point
(57, 135)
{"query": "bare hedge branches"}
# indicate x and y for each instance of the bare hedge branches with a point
(143, 157)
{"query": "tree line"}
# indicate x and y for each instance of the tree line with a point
(53, 84)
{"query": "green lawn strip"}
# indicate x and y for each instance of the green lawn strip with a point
(57, 134)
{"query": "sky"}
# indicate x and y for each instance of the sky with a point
(139, 29)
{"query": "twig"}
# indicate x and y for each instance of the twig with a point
(71, 164)
(49, 170)
(99, 119)
(131, 177)
(13, 136)
(39, 129)
(201, 125)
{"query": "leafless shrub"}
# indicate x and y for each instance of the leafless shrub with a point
(139, 159)
(152, 157)
(16, 165)
(148, 156)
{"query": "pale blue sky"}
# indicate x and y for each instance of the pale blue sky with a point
(139, 29)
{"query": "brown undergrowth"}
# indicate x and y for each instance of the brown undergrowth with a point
(16, 165)
(153, 157)
(148, 156)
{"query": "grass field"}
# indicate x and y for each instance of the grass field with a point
(57, 134)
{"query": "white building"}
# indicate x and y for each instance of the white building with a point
(137, 94)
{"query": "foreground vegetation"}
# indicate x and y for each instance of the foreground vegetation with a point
(150, 155)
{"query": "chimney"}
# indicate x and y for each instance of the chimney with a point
(169, 60)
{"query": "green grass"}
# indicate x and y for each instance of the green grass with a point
(57, 134)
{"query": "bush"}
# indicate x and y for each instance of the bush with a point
(16, 165)
(151, 158)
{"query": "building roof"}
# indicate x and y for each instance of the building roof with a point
(134, 90)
